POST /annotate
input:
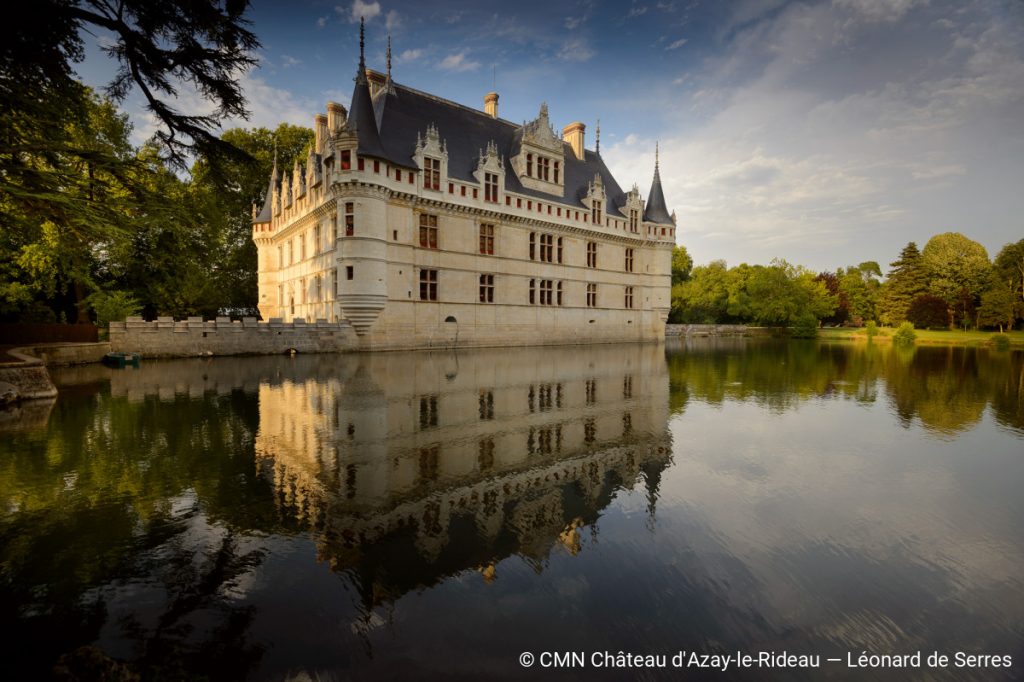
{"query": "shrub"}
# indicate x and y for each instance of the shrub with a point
(112, 306)
(905, 335)
(871, 328)
(929, 312)
(805, 327)
(1001, 341)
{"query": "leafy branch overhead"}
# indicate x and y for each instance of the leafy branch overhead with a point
(159, 47)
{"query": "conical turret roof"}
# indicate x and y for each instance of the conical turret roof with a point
(656, 211)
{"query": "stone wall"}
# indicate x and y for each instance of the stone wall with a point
(167, 338)
(721, 330)
(24, 379)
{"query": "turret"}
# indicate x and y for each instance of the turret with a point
(657, 211)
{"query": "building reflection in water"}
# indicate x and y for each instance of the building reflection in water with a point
(415, 467)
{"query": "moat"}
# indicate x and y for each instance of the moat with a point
(434, 515)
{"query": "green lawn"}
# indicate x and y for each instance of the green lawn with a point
(924, 336)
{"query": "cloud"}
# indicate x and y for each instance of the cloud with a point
(677, 44)
(409, 56)
(392, 20)
(287, 61)
(575, 50)
(573, 23)
(359, 10)
(637, 11)
(321, 22)
(458, 62)
(831, 134)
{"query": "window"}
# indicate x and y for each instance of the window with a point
(475, 195)
(629, 260)
(431, 173)
(558, 294)
(428, 231)
(350, 218)
(591, 295)
(487, 406)
(412, 177)
(591, 254)
(360, 164)
(350, 272)
(291, 251)
(533, 287)
(591, 391)
(280, 260)
(634, 220)
(491, 187)
(627, 386)
(533, 247)
(376, 166)
(559, 249)
(334, 227)
(302, 247)
(346, 159)
(316, 239)
(595, 212)
(428, 285)
(319, 288)
(545, 291)
(629, 297)
(334, 281)
(428, 411)
(556, 172)
(487, 288)
(529, 164)
(280, 295)
(398, 174)
(302, 290)
(543, 167)
(487, 239)
(547, 248)
(292, 302)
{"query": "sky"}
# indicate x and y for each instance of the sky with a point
(823, 132)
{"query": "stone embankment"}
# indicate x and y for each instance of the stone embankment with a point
(167, 338)
(24, 378)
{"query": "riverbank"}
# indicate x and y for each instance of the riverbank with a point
(925, 337)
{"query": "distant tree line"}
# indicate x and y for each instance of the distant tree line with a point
(950, 283)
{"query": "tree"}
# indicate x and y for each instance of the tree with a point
(682, 264)
(928, 312)
(958, 269)
(1000, 305)
(859, 287)
(157, 47)
(1009, 268)
(703, 298)
(831, 282)
(906, 280)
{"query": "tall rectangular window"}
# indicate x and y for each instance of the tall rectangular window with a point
(559, 250)
(302, 247)
(629, 297)
(346, 159)
(350, 272)
(629, 260)
(316, 239)
(487, 288)
(591, 254)
(428, 285)
(545, 291)
(334, 282)
(529, 165)
(547, 248)
(319, 288)
(533, 291)
(302, 290)
(556, 172)
(334, 227)
(350, 218)
(634, 220)
(432, 173)
(280, 295)
(558, 294)
(543, 167)
(491, 187)
(291, 251)
(533, 246)
(595, 212)
(280, 257)
(487, 239)
(428, 231)
(591, 295)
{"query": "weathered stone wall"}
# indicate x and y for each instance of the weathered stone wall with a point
(24, 379)
(720, 330)
(167, 338)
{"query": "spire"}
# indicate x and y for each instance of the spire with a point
(362, 114)
(265, 214)
(389, 56)
(656, 210)
(597, 140)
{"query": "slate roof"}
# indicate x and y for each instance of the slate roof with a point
(404, 112)
(265, 214)
(655, 211)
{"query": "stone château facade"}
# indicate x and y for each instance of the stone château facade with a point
(424, 222)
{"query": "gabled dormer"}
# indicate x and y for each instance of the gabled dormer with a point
(596, 200)
(298, 181)
(540, 163)
(432, 158)
(490, 173)
(633, 209)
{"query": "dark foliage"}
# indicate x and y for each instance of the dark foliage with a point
(928, 312)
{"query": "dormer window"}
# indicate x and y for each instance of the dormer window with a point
(556, 172)
(431, 173)
(543, 167)
(491, 187)
(633, 220)
(595, 212)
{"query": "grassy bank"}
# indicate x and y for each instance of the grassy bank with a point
(925, 337)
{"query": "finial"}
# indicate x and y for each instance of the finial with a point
(362, 44)
(655, 155)
(597, 142)
(274, 172)
(389, 56)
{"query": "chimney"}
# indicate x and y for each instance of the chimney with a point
(491, 104)
(573, 134)
(335, 117)
(320, 130)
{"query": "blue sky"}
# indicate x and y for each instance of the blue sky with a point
(826, 133)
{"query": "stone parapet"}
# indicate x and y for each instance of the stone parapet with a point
(167, 338)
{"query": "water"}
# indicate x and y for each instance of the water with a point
(413, 516)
